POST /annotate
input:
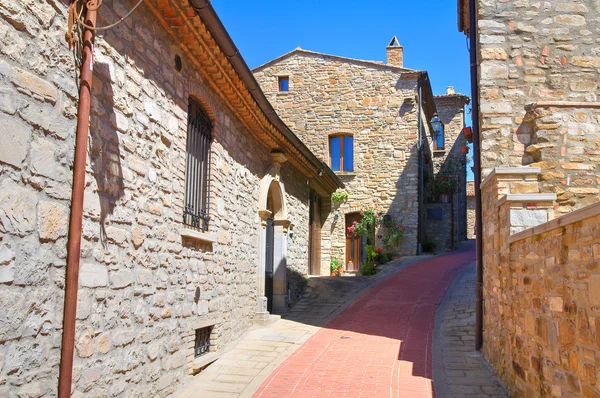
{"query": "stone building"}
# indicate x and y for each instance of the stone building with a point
(364, 119)
(182, 242)
(538, 86)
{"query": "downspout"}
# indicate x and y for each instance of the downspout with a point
(477, 174)
(75, 224)
(420, 156)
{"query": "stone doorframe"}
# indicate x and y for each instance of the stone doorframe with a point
(271, 184)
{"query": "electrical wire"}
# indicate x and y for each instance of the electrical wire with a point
(112, 25)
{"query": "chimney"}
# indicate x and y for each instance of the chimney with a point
(395, 53)
(450, 90)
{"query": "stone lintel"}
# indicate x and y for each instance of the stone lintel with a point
(562, 221)
(527, 198)
(507, 171)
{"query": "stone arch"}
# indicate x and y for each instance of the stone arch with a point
(271, 186)
(205, 105)
(272, 206)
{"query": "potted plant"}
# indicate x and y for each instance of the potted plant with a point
(443, 187)
(335, 266)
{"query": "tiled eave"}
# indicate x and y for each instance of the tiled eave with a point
(185, 26)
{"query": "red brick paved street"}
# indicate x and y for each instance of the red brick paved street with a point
(380, 346)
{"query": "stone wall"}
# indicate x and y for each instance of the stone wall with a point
(535, 52)
(451, 161)
(438, 231)
(136, 309)
(470, 210)
(541, 292)
(371, 102)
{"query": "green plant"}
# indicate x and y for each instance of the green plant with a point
(366, 226)
(339, 196)
(368, 269)
(393, 231)
(334, 265)
(444, 185)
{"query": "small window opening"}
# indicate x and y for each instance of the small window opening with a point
(284, 83)
(202, 344)
(178, 64)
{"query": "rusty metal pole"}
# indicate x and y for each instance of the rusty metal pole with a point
(477, 174)
(75, 225)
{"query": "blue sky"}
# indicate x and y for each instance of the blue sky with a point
(266, 29)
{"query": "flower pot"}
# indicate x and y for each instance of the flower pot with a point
(465, 150)
(333, 274)
(339, 270)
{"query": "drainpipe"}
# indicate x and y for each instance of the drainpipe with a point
(420, 156)
(477, 173)
(75, 225)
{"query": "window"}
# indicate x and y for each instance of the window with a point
(202, 341)
(341, 152)
(197, 173)
(439, 139)
(284, 83)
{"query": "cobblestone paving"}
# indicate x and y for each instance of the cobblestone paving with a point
(241, 370)
(380, 345)
(458, 370)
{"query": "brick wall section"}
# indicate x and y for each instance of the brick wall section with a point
(541, 294)
(541, 51)
(329, 96)
(137, 279)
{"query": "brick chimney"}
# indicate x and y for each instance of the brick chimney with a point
(395, 53)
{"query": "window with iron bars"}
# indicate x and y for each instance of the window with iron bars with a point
(197, 173)
(202, 343)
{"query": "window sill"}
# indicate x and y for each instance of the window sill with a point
(197, 235)
(346, 173)
(204, 360)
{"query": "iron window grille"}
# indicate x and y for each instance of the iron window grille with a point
(202, 343)
(197, 175)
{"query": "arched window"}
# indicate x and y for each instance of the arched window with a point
(197, 173)
(341, 152)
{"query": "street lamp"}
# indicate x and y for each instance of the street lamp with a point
(436, 125)
(438, 131)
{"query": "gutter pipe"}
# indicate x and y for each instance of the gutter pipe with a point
(75, 224)
(477, 174)
(420, 155)
(210, 18)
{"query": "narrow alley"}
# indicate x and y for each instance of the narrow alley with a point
(378, 343)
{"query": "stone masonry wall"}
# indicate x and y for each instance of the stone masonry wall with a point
(451, 161)
(327, 96)
(470, 210)
(534, 52)
(541, 295)
(136, 309)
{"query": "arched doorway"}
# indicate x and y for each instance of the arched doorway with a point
(274, 226)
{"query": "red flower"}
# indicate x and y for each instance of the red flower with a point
(379, 250)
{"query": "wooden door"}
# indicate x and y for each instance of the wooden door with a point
(314, 234)
(353, 244)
